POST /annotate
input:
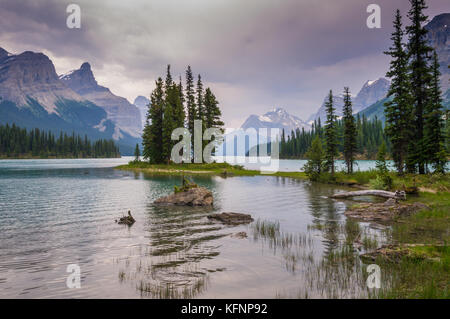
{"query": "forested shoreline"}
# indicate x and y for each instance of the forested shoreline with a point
(369, 136)
(16, 142)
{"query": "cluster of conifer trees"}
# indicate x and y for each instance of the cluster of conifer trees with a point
(173, 107)
(414, 115)
(322, 160)
(16, 142)
(369, 136)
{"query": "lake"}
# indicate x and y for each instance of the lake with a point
(54, 213)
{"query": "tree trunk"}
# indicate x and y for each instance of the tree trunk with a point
(372, 192)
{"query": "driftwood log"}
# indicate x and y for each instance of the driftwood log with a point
(372, 192)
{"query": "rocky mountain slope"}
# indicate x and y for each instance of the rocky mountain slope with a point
(439, 38)
(32, 75)
(371, 92)
(33, 96)
(118, 109)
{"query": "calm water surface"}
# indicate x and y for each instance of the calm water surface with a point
(59, 212)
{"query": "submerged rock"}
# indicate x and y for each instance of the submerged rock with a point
(232, 218)
(383, 212)
(198, 196)
(127, 220)
(240, 235)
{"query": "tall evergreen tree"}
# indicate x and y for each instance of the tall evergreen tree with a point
(190, 102)
(180, 114)
(137, 153)
(434, 140)
(152, 138)
(213, 114)
(200, 111)
(398, 109)
(200, 99)
(169, 79)
(331, 142)
(419, 53)
(349, 131)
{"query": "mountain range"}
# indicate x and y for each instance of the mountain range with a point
(126, 115)
(32, 95)
(276, 118)
(371, 92)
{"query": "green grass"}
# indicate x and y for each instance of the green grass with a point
(418, 278)
(223, 169)
(428, 275)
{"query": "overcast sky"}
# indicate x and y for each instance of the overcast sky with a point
(254, 54)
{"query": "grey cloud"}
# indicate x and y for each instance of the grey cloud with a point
(262, 52)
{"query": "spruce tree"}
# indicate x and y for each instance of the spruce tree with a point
(152, 138)
(137, 153)
(169, 80)
(399, 108)
(213, 114)
(380, 163)
(316, 159)
(419, 54)
(434, 140)
(349, 132)
(200, 99)
(331, 142)
(168, 125)
(383, 180)
(190, 102)
(181, 115)
(200, 111)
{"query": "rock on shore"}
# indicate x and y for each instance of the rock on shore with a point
(395, 253)
(383, 212)
(198, 196)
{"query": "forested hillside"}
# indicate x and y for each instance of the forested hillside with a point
(16, 142)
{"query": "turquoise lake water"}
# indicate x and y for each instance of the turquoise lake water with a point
(54, 213)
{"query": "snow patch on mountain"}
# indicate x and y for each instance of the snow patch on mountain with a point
(276, 118)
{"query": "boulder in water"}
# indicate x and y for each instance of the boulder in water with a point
(197, 196)
(232, 218)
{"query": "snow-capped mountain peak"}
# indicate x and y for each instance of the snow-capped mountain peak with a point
(371, 92)
(276, 118)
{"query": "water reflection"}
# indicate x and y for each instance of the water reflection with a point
(55, 216)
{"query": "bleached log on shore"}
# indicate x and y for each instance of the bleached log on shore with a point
(372, 192)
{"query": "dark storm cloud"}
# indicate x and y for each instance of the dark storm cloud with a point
(256, 54)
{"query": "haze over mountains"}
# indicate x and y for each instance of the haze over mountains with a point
(370, 99)
(276, 118)
(141, 102)
(371, 92)
(33, 96)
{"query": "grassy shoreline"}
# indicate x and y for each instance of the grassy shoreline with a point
(222, 169)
